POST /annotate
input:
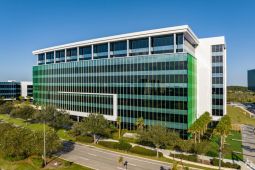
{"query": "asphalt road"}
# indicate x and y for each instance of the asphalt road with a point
(100, 159)
(248, 142)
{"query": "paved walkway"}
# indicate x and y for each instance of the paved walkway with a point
(248, 143)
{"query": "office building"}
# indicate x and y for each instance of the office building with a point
(251, 79)
(12, 90)
(167, 76)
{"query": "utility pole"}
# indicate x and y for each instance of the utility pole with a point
(44, 143)
(220, 153)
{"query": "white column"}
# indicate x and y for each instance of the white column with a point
(78, 54)
(149, 45)
(92, 52)
(174, 43)
(54, 56)
(65, 56)
(109, 48)
(127, 48)
(45, 58)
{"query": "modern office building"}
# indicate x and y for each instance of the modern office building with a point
(251, 79)
(11, 90)
(167, 76)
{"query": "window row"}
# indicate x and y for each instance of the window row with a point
(140, 47)
(155, 116)
(217, 48)
(160, 91)
(217, 59)
(217, 101)
(182, 78)
(217, 112)
(217, 90)
(217, 80)
(217, 69)
(179, 105)
(173, 65)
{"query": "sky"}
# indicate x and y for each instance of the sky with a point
(27, 25)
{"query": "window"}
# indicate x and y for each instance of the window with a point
(217, 59)
(101, 51)
(218, 69)
(162, 44)
(41, 57)
(85, 53)
(217, 48)
(139, 43)
(71, 52)
(179, 42)
(118, 49)
(217, 80)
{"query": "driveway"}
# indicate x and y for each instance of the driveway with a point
(248, 142)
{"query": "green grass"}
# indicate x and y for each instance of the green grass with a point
(28, 165)
(233, 145)
(239, 116)
(63, 134)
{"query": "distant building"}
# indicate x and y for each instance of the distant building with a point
(251, 79)
(12, 90)
(167, 76)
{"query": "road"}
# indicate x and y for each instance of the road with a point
(248, 142)
(101, 159)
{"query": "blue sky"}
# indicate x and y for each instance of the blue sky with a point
(26, 25)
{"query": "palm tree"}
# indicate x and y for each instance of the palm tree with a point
(118, 120)
(140, 123)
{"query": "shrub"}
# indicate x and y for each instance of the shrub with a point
(85, 139)
(144, 151)
(37, 161)
(123, 145)
(113, 145)
(215, 162)
(212, 154)
(6, 108)
(192, 158)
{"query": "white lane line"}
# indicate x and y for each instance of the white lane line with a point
(91, 154)
(131, 164)
(121, 168)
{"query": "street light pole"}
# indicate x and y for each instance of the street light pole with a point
(44, 144)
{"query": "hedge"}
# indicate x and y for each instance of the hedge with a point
(192, 158)
(113, 145)
(121, 145)
(144, 151)
(85, 139)
(215, 162)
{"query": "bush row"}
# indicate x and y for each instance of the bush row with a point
(192, 158)
(121, 145)
(215, 162)
(84, 139)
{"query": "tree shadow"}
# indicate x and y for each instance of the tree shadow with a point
(67, 146)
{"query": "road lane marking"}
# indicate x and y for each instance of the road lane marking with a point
(121, 168)
(91, 154)
(131, 164)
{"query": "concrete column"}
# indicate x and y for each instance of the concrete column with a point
(45, 58)
(149, 45)
(78, 54)
(174, 43)
(54, 56)
(109, 49)
(127, 48)
(92, 52)
(65, 56)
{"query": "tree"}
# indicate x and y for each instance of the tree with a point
(119, 125)
(158, 135)
(222, 129)
(140, 123)
(96, 125)
(24, 112)
(6, 108)
(199, 127)
(54, 118)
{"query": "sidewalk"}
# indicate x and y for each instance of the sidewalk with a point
(167, 152)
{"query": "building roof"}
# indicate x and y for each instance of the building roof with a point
(169, 30)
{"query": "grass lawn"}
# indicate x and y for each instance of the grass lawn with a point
(238, 116)
(233, 145)
(28, 165)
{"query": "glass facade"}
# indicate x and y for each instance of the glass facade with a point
(160, 88)
(30, 90)
(251, 80)
(10, 90)
(217, 80)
